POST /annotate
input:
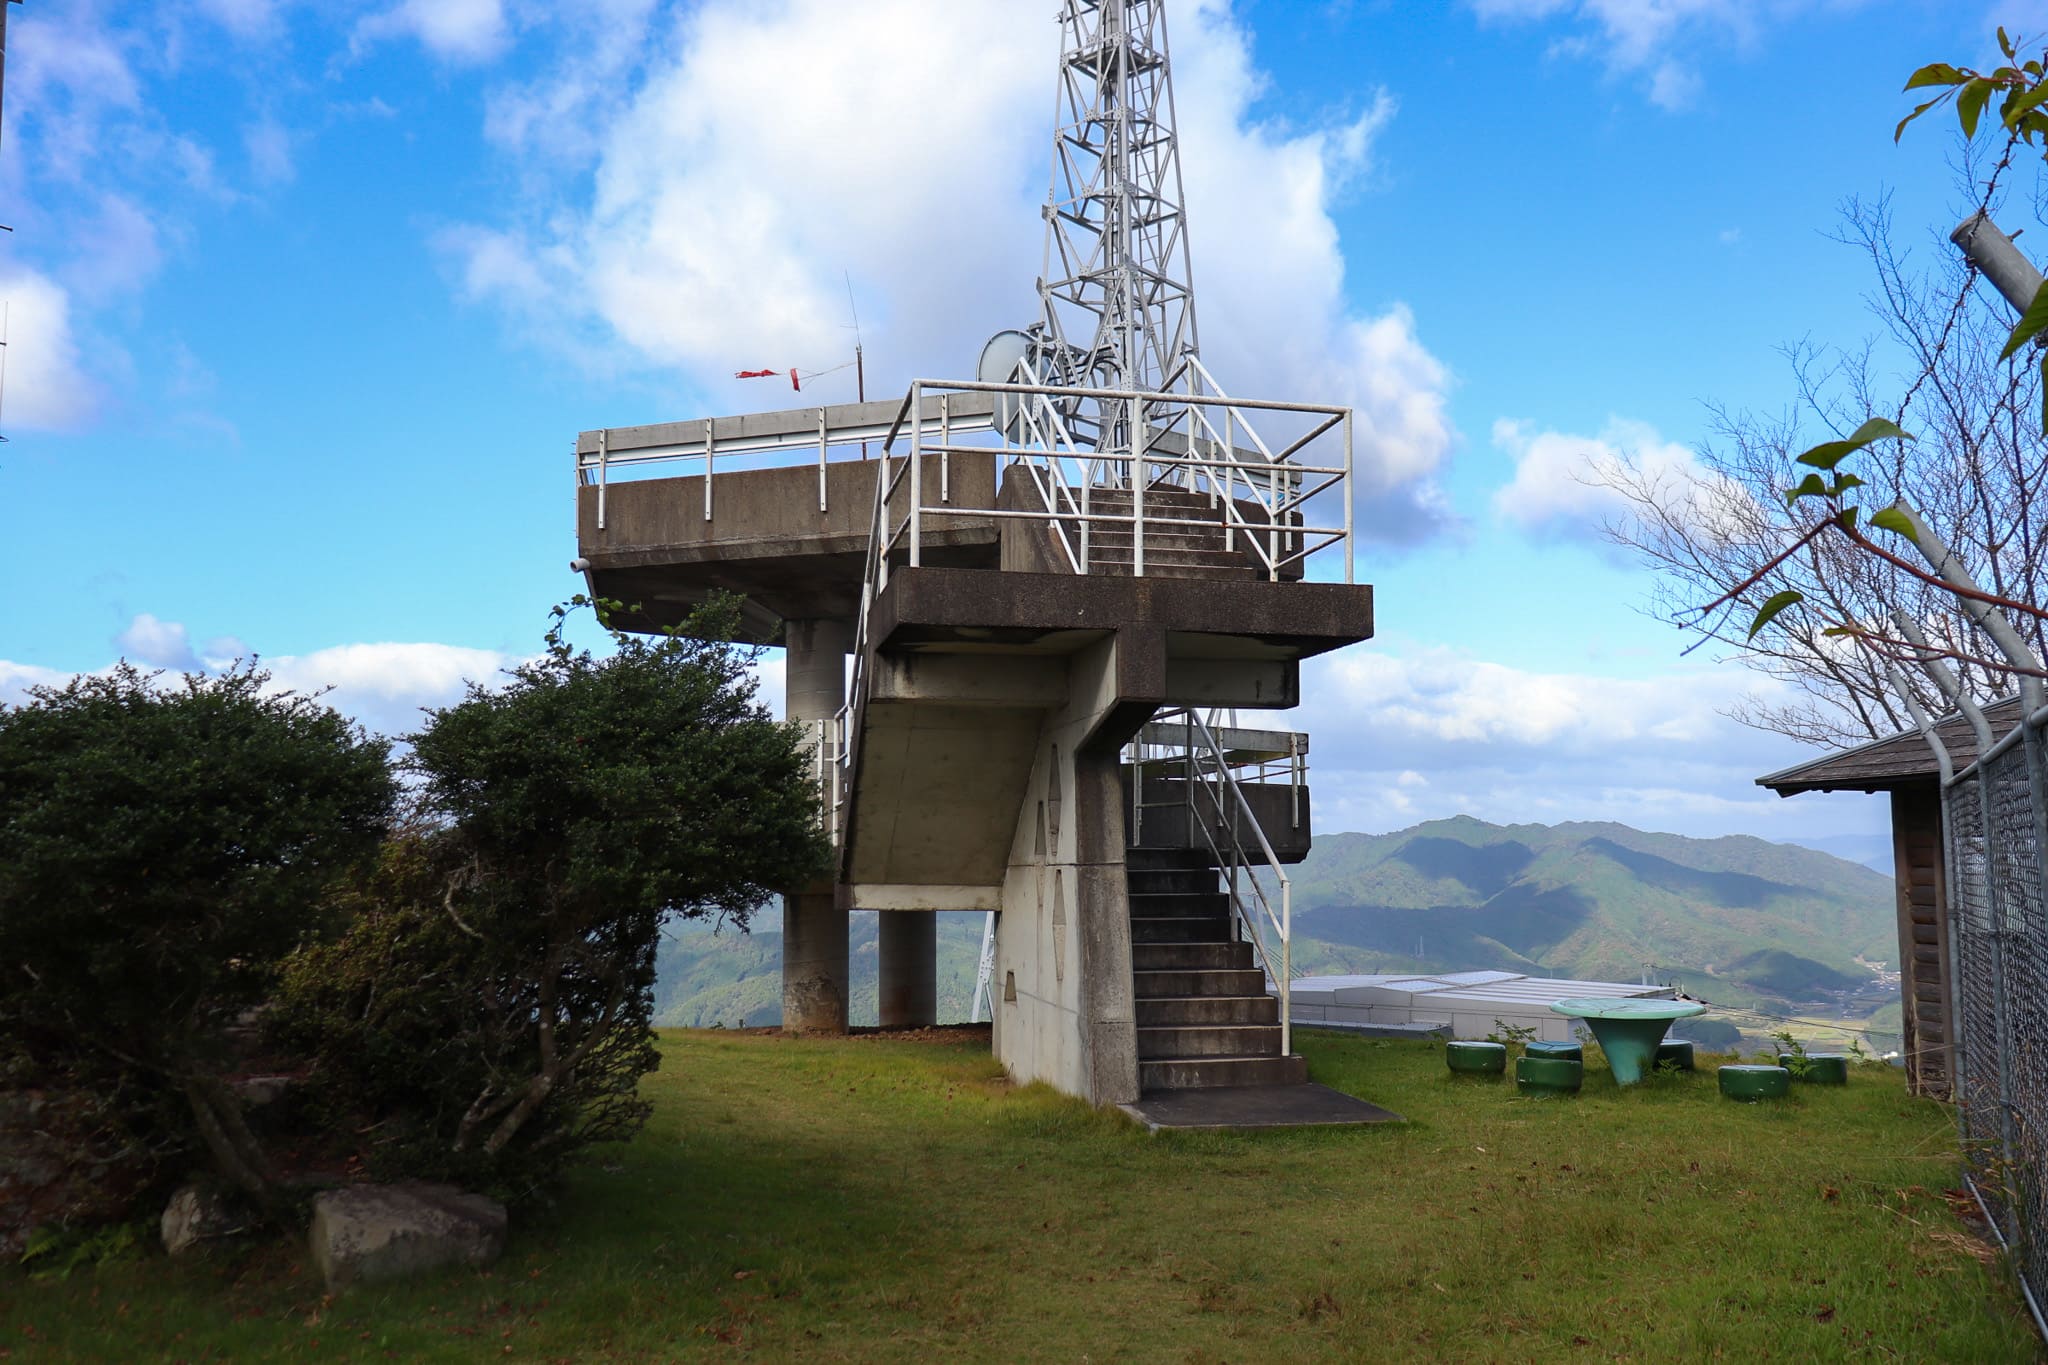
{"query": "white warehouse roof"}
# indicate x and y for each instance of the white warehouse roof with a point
(1471, 1004)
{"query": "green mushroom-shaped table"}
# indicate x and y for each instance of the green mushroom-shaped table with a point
(1628, 1029)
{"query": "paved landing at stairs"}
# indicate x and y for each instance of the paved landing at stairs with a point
(1240, 1107)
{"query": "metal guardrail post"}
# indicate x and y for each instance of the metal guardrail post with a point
(821, 459)
(1137, 487)
(603, 464)
(709, 436)
(1345, 489)
(916, 481)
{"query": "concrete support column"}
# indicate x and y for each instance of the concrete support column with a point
(814, 958)
(909, 968)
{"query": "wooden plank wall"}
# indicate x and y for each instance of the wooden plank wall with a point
(1923, 937)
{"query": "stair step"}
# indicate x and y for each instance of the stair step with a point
(1225, 1010)
(1209, 1040)
(1154, 985)
(1195, 957)
(1205, 902)
(1167, 860)
(1211, 571)
(1159, 881)
(1180, 929)
(1193, 1073)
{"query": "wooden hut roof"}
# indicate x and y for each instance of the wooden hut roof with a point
(1897, 761)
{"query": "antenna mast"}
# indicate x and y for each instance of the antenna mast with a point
(1117, 306)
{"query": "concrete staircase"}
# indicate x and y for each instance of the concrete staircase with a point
(1170, 551)
(1204, 1017)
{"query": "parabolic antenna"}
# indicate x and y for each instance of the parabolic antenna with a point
(1000, 360)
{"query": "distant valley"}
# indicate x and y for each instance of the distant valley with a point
(1738, 921)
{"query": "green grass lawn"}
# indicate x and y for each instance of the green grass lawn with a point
(887, 1200)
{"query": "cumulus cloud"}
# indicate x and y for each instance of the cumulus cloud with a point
(1573, 485)
(160, 644)
(1646, 39)
(47, 388)
(1400, 738)
(722, 213)
(462, 31)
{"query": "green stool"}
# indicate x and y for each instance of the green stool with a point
(1569, 1051)
(1476, 1059)
(1755, 1082)
(1676, 1051)
(1542, 1076)
(1822, 1068)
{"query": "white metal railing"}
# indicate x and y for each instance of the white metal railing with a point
(736, 444)
(1216, 806)
(1266, 499)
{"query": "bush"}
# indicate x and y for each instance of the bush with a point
(488, 1012)
(163, 846)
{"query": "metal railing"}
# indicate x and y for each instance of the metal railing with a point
(1093, 483)
(1230, 830)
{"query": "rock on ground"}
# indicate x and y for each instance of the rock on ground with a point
(196, 1213)
(385, 1232)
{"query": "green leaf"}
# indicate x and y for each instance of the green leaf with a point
(2021, 102)
(1970, 104)
(2005, 43)
(1778, 603)
(1892, 519)
(1849, 515)
(1828, 454)
(1843, 485)
(1900, 131)
(2030, 324)
(1839, 631)
(1809, 487)
(1935, 73)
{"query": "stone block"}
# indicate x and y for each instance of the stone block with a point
(385, 1232)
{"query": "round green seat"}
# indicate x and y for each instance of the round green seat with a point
(1538, 1076)
(1476, 1059)
(1822, 1068)
(1676, 1051)
(1569, 1051)
(1755, 1082)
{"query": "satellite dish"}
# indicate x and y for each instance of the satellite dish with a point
(1000, 359)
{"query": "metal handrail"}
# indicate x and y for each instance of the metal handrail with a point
(1209, 770)
(1260, 498)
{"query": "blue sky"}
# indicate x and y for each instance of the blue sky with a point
(306, 306)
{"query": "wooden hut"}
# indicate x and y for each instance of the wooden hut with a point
(1904, 766)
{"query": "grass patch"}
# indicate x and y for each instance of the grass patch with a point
(869, 1199)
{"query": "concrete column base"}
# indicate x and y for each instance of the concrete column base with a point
(814, 965)
(908, 993)
(814, 959)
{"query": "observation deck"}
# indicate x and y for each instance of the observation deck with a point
(1018, 600)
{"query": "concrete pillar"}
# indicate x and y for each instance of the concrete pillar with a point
(909, 968)
(814, 965)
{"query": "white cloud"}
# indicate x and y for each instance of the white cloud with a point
(722, 212)
(159, 644)
(1399, 738)
(463, 31)
(245, 18)
(46, 388)
(16, 679)
(1653, 39)
(385, 685)
(1568, 483)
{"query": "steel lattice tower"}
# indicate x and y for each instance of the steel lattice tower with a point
(1116, 294)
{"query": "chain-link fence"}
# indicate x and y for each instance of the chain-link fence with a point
(1997, 824)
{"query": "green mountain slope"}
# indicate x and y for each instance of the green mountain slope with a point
(1737, 920)
(706, 975)
(1755, 919)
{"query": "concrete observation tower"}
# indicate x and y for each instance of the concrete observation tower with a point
(1057, 583)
